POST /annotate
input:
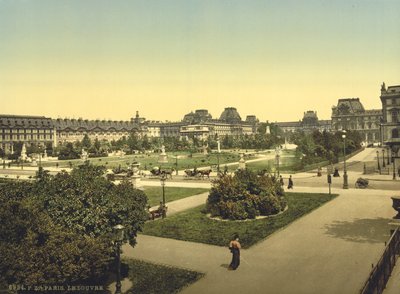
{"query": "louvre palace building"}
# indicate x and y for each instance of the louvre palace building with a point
(41, 131)
(376, 125)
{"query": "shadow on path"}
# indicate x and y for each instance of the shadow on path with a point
(360, 230)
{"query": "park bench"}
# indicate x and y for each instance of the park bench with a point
(156, 213)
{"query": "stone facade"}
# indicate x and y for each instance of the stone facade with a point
(71, 130)
(349, 114)
(201, 125)
(309, 123)
(390, 99)
(38, 130)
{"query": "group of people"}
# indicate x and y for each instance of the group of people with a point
(290, 184)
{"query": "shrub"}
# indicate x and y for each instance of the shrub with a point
(245, 195)
(269, 205)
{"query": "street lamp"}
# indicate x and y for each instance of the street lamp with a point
(218, 151)
(163, 178)
(377, 159)
(394, 165)
(388, 156)
(277, 156)
(345, 182)
(176, 164)
(40, 156)
(119, 238)
(383, 158)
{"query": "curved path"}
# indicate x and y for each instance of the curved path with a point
(330, 250)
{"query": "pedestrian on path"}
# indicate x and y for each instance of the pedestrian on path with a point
(290, 186)
(234, 247)
(281, 181)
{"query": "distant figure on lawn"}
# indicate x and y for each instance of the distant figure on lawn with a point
(234, 247)
(290, 186)
(281, 181)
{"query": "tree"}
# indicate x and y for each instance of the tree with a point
(35, 251)
(89, 204)
(86, 142)
(67, 151)
(58, 229)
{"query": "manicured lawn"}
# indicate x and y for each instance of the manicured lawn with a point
(185, 160)
(194, 225)
(154, 278)
(154, 194)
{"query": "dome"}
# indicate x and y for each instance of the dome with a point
(230, 115)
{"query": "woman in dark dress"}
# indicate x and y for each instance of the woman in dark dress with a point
(234, 246)
(290, 186)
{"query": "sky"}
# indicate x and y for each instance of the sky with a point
(275, 59)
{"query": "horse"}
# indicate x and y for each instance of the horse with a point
(167, 172)
(204, 173)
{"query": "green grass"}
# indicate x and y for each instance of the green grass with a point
(154, 194)
(193, 225)
(151, 160)
(153, 278)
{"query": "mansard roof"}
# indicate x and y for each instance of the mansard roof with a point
(25, 121)
(230, 115)
(93, 125)
(348, 106)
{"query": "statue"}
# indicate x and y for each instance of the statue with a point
(162, 158)
(84, 155)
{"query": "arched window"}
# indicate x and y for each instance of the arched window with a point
(395, 133)
(394, 116)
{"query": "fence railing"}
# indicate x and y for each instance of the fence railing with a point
(380, 274)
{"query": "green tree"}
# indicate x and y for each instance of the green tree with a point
(58, 229)
(86, 142)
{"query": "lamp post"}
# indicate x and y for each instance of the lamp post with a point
(40, 157)
(218, 151)
(377, 159)
(119, 238)
(176, 164)
(162, 180)
(345, 182)
(277, 156)
(383, 158)
(394, 165)
(388, 156)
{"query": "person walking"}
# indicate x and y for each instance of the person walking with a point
(290, 185)
(281, 181)
(234, 247)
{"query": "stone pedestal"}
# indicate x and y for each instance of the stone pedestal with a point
(163, 158)
(23, 156)
(136, 178)
(242, 162)
(396, 206)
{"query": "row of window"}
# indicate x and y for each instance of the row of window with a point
(25, 131)
(91, 134)
(25, 137)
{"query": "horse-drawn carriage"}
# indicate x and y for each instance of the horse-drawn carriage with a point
(157, 172)
(198, 173)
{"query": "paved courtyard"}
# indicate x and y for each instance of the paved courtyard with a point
(330, 250)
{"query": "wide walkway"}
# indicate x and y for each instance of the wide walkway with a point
(327, 251)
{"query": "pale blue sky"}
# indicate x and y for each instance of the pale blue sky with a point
(72, 58)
